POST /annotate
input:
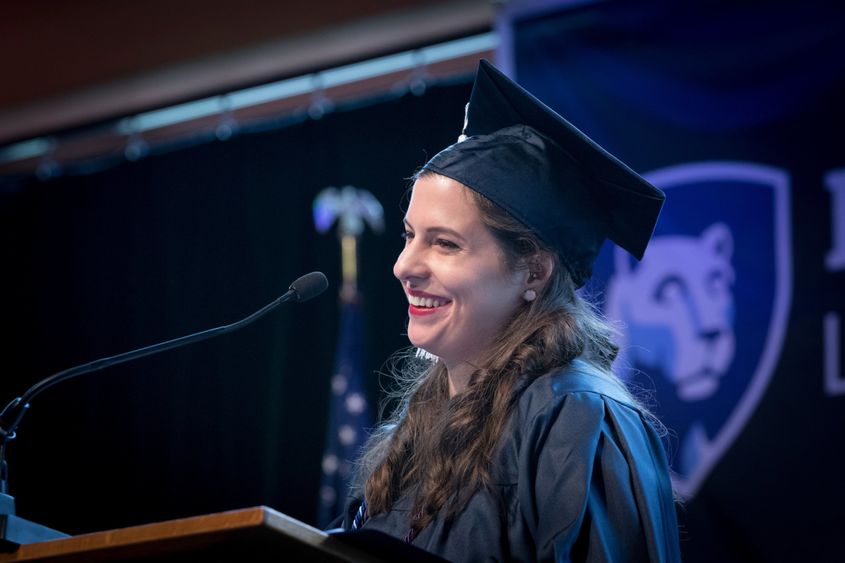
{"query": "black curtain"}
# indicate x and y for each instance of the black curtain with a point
(178, 242)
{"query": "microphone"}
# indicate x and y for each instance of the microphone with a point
(304, 288)
(308, 286)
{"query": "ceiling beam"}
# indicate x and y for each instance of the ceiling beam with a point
(318, 49)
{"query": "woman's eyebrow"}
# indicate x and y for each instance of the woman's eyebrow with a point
(437, 229)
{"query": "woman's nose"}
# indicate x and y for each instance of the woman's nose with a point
(409, 264)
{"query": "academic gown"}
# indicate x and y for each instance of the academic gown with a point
(580, 475)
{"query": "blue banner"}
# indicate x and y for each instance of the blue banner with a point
(730, 324)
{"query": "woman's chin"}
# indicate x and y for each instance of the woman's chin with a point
(420, 343)
(423, 344)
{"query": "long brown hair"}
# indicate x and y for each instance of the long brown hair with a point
(439, 448)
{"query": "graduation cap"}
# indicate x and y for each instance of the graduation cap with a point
(520, 154)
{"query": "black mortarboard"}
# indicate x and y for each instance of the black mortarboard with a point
(550, 176)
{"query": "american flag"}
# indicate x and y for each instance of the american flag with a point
(349, 415)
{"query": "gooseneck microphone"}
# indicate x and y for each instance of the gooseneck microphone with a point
(304, 288)
(307, 287)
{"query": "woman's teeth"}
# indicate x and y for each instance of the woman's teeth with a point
(425, 301)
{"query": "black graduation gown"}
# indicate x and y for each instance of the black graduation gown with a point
(580, 475)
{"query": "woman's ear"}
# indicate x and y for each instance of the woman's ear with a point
(539, 270)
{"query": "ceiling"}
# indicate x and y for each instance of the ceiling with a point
(66, 64)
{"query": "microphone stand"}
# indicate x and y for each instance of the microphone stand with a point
(14, 530)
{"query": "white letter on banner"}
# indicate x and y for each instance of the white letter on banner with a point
(835, 184)
(834, 381)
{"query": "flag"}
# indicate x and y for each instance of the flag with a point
(349, 415)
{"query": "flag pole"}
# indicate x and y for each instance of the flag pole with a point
(349, 267)
(349, 415)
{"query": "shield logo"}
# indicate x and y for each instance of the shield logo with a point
(703, 316)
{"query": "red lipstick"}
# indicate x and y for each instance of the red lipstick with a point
(424, 311)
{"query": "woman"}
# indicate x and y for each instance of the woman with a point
(517, 443)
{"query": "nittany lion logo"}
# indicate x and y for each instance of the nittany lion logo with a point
(678, 308)
(703, 315)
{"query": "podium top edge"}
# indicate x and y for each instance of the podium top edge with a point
(171, 530)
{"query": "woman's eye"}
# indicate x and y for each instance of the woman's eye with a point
(446, 244)
(407, 235)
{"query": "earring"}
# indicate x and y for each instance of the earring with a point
(529, 295)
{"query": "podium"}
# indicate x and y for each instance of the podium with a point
(249, 535)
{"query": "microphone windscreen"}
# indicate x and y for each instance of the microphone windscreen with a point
(309, 286)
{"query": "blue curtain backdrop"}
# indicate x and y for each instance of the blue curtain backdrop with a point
(731, 321)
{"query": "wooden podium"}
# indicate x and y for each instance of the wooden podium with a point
(249, 535)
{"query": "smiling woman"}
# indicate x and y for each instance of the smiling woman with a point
(517, 442)
(460, 292)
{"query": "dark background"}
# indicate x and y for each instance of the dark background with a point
(181, 241)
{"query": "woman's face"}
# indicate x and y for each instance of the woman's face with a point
(459, 291)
